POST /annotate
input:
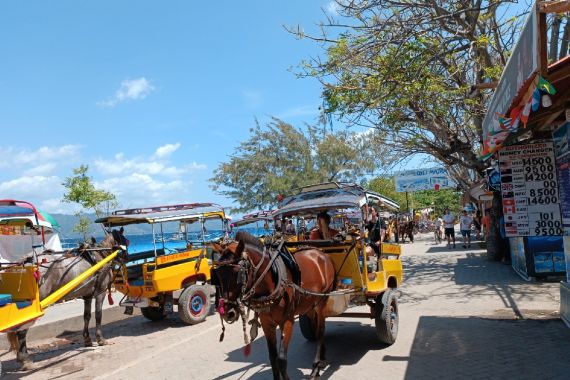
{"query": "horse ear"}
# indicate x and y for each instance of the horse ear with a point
(217, 247)
(240, 248)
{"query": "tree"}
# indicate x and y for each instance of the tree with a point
(438, 199)
(386, 187)
(415, 70)
(279, 157)
(81, 190)
(418, 71)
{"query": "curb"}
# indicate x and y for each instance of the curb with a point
(65, 326)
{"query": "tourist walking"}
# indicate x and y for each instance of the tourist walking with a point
(465, 222)
(449, 225)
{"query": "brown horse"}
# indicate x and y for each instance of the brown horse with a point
(56, 272)
(251, 275)
(407, 229)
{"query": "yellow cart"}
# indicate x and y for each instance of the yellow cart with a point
(175, 270)
(361, 279)
(20, 304)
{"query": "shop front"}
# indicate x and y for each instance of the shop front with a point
(526, 136)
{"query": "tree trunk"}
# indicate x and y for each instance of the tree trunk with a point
(565, 38)
(497, 247)
(554, 37)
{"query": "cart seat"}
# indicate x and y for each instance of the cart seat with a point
(5, 299)
(23, 304)
(140, 256)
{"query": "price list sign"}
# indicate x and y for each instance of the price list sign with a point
(529, 186)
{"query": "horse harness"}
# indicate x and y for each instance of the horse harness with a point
(88, 256)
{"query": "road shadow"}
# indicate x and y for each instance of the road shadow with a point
(480, 348)
(69, 344)
(469, 277)
(302, 352)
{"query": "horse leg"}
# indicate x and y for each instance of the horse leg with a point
(271, 338)
(99, 299)
(86, 318)
(286, 334)
(319, 363)
(22, 355)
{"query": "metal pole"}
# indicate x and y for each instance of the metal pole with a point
(407, 202)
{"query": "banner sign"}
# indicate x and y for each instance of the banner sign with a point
(423, 179)
(529, 186)
(561, 138)
(521, 67)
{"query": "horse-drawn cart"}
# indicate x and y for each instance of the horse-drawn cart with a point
(22, 234)
(175, 269)
(313, 269)
(362, 278)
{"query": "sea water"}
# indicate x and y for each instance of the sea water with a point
(171, 241)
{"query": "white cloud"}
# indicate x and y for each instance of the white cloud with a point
(138, 189)
(41, 169)
(44, 191)
(18, 157)
(130, 89)
(166, 150)
(142, 180)
(157, 164)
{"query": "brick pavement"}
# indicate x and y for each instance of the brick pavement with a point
(460, 317)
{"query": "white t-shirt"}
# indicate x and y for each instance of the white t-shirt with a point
(438, 222)
(465, 222)
(448, 220)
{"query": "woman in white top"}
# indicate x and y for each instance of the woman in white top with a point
(449, 224)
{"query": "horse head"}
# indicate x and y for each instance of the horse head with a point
(115, 239)
(229, 275)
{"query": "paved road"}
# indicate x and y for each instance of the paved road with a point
(460, 317)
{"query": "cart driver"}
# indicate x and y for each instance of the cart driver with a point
(374, 227)
(323, 231)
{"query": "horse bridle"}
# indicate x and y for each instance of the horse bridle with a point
(244, 265)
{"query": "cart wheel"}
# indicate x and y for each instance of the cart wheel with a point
(153, 313)
(194, 304)
(386, 317)
(307, 329)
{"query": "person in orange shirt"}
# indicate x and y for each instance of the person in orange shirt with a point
(486, 223)
(323, 231)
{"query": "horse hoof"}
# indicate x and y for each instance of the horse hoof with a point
(101, 342)
(88, 343)
(28, 365)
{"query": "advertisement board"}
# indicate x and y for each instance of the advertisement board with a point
(518, 257)
(529, 186)
(567, 256)
(423, 179)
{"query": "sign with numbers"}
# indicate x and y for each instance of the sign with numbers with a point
(529, 186)
(561, 138)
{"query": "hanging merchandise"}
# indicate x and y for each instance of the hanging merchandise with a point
(546, 86)
(504, 125)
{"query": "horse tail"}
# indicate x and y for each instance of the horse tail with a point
(13, 340)
(109, 293)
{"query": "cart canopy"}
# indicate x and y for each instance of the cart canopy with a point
(332, 195)
(150, 215)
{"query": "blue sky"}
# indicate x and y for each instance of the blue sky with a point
(151, 95)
